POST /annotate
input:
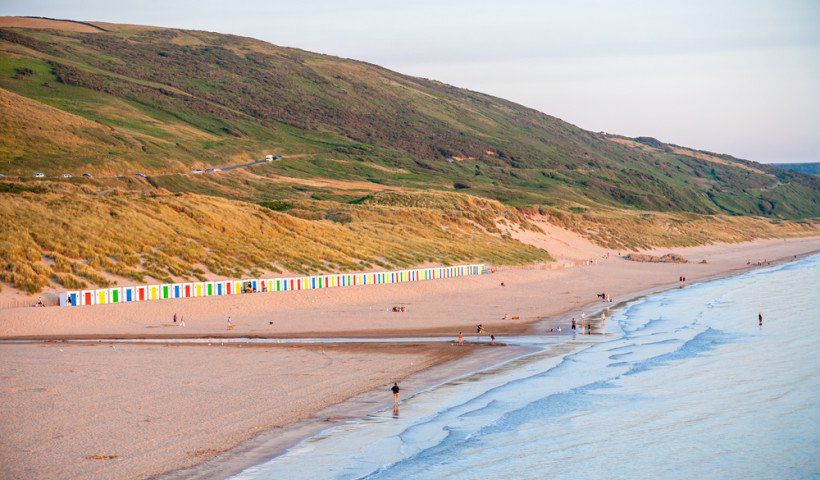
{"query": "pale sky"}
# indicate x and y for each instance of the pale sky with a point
(737, 77)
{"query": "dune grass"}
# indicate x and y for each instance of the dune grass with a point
(634, 230)
(72, 238)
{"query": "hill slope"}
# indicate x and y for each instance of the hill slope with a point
(177, 98)
(395, 164)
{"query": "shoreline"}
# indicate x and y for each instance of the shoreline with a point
(271, 444)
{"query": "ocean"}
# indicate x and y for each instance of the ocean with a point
(684, 385)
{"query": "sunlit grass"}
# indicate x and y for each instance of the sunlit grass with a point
(630, 230)
(69, 238)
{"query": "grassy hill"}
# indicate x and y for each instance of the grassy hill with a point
(365, 149)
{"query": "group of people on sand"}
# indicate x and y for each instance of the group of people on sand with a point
(479, 329)
(605, 297)
(181, 322)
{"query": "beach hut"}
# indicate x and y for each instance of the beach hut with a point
(69, 299)
(115, 295)
(128, 294)
(102, 296)
(87, 297)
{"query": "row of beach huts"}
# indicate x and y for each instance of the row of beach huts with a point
(142, 293)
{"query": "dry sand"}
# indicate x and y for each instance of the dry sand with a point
(134, 411)
(67, 407)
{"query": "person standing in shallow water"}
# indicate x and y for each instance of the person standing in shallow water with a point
(395, 389)
(760, 319)
(460, 338)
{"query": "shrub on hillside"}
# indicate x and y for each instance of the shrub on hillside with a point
(277, 205)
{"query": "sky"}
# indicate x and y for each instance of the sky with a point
(737, 77)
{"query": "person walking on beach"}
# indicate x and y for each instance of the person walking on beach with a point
(574, 325)
(230, 324)
(460, 339)
(175, 318)
(760, 319)
(395, 390)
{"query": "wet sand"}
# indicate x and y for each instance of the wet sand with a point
(274, 442)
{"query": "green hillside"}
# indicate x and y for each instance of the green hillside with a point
(175, 99)
(411, 169)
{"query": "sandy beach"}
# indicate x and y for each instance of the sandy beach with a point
(136, 411)
(440, 307)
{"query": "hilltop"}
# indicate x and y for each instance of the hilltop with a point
(410, 170)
